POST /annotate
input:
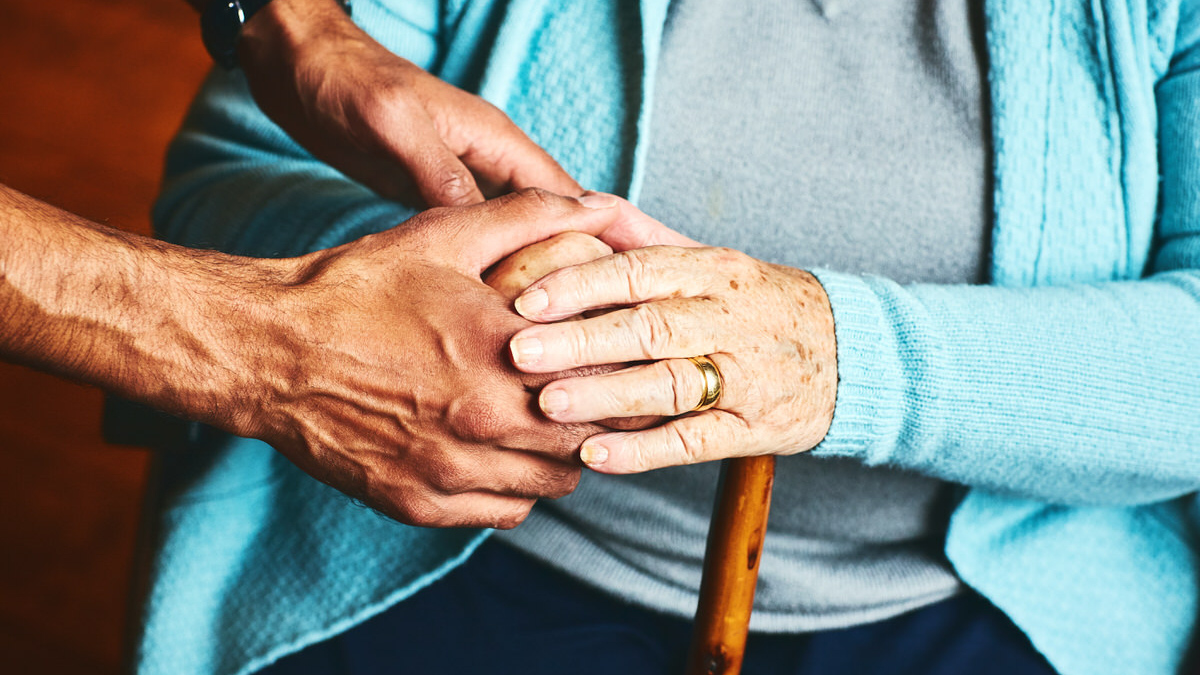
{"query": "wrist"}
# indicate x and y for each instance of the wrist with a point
(268, 361)
(822, 341)
(225, 344)
(284, 27)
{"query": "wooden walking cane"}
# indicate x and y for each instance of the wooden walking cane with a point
(731, 558)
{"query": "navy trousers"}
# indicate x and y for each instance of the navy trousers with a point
(503, 612)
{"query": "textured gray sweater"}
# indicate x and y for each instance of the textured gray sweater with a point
(835, 134)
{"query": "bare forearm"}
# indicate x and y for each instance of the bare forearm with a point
(164, 325)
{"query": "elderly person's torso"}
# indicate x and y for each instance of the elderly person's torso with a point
(850, 139)
(1028, 391)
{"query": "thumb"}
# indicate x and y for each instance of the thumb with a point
(634, 229)
(486, 233)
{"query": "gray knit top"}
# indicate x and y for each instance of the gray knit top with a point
(813, 133)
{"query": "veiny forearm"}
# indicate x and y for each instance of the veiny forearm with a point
(171, 327)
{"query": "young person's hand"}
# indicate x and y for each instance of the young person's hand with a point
(380, 119)
(383, 370)
(379, 367)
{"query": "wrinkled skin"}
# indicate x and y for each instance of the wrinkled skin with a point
(515, 273)
(388, 374)
(768, 328)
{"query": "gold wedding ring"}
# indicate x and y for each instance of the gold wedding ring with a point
(713, 386)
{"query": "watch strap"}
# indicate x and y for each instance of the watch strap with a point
(221, 25)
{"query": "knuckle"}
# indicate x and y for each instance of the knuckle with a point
(540, 199)
(381, 104)
(633, 267)
(684, 446)
(556, 483)
(641, 459)
(581, 345)
(420, 510)
(680, 376)
(496, 118)
(730, 259)
(655, 334)
(477, 420)
(727, 255)
(580, 244)
(447, 478)
(453, 183)
(513, 516)
(435, 218)
(372, 116)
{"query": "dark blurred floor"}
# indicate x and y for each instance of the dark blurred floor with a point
(90, 91)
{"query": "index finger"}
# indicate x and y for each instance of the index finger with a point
(626, 278)
(636, 229)
(481, 235)
(691, 439)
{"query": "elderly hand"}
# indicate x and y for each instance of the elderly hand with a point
(380, 119)
(516, 272)
(384, 371)
(767, 328)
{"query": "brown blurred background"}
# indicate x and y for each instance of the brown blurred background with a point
(90, 92)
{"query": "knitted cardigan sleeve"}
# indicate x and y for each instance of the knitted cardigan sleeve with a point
(1078, 394)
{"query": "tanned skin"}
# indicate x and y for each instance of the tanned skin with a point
(379, 118)
(379, 367)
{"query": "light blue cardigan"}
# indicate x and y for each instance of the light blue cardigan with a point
(1067, 394)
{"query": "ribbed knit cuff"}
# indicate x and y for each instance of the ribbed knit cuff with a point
(869, 409)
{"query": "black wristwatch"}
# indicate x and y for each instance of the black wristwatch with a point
(221, 25)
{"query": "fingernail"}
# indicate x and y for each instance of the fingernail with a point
(597, 200)
(532, 302)
(554, 401)
(593, 454)
(525, 351)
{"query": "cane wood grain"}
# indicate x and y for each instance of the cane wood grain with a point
(734, 551)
